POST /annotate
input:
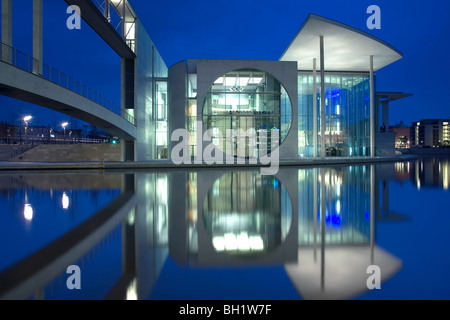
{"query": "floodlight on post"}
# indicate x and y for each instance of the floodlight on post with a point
(26, 119)
(64, 125)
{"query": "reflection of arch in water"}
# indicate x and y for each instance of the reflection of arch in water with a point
(247, 213)
(279, 237)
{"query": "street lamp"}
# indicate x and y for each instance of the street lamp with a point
(64, 125)
(26, 120)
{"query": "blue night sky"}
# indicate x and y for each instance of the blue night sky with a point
(245, 30)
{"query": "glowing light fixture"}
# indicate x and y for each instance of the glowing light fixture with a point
(28, 212)
(241, 242)
(65, 201)
(230, 241)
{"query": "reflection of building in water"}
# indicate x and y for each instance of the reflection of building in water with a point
(425, 172)
(208, 218)
(245, 212)
(339, 207)
(152, 229)
(431, 172)
(346, 198)
(237, 218)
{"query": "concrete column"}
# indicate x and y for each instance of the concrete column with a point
(314, 108)
(385, 111)
(372, 110)
(6, 30)
(177, 102)
(322, 99)
(128, 150)
(37, 64)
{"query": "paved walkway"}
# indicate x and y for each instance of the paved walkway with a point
(166, 164)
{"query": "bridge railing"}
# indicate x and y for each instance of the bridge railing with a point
(26, 62)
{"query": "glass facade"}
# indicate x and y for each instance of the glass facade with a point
(250, 101)
(161, 119)
(347, 114)
(151, 91)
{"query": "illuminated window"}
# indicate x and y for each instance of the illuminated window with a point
(251, 101)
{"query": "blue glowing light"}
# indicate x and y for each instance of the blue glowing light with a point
(275, 183)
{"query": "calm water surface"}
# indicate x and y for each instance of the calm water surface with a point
(305, 233)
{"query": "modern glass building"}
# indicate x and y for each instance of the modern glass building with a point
(318, 100)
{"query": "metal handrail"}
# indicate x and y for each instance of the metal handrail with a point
(27, 63)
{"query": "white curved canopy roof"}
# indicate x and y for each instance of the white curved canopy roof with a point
(345, 48)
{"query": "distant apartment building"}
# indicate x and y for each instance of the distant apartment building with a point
(430, 133)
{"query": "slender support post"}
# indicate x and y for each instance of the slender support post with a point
(315, 214)
(314, 108)
(373, 186)
(322, 99)
(322, 228)
(372, 111)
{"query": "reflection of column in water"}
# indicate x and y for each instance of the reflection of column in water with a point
(372, 212)
(315, 214)
(322, 228)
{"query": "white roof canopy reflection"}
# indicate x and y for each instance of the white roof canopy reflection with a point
(343, 273)
(345, 48)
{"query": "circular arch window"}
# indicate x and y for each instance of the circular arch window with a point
(247, 113)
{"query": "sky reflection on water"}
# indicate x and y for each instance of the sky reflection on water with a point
(212, 234)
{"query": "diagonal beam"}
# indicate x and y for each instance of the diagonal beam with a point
(97, 21)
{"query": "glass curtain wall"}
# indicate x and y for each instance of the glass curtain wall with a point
(347, 114)
(160, 106)
(161, 119)
(247, 100)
